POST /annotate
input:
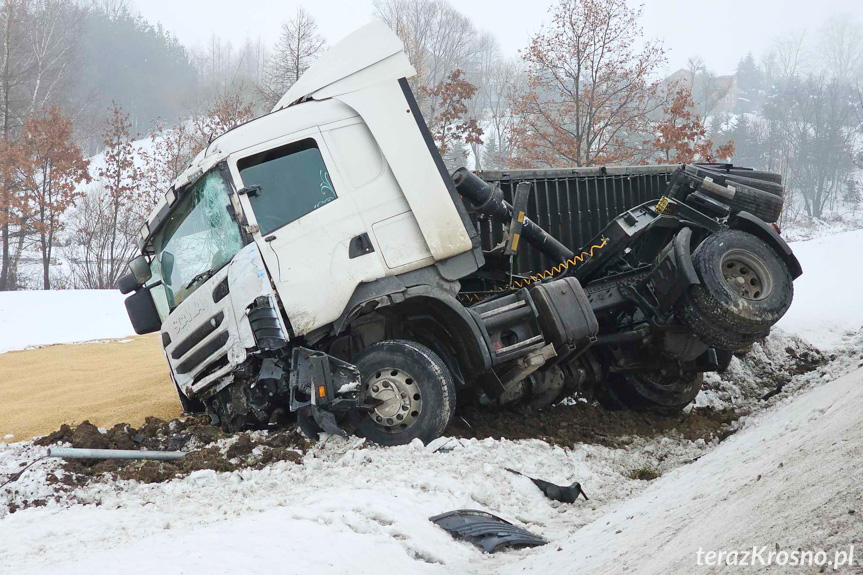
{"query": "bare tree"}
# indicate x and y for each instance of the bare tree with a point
(51, 38)
(95, 234)
(222, 67)
(171, 151)
(114, 9)
(705, 88)
(788, 58)
(823, 137)
(438, 40)
(13, 69)
(298, 47)
(505, 78)
(841, 47)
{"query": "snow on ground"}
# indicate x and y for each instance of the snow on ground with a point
(31, 318)
(827, 306)
(366, 506)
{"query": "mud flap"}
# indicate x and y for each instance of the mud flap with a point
(485, 530)
(321, 386)
(675, 272)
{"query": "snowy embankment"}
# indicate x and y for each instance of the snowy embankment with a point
(34, 318)
(790, 478)
(790, 481)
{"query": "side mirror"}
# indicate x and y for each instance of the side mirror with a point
(142, 312)
(127, 284)
(141, 270)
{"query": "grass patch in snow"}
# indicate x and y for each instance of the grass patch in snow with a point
(645, 473)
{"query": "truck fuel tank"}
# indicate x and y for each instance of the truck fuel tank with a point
(565, 315)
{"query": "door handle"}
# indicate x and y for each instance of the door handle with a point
(360, 246)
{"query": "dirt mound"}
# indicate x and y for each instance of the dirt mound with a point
(761, 373)
(726, 397)
(567, 425)
(207, 447)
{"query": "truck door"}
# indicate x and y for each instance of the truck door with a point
(307, 222)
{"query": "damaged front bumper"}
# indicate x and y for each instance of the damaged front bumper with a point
(316, 386)
(321, 387)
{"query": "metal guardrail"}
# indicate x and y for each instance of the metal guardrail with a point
(573, 205)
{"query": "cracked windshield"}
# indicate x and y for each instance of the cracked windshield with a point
(197, 240)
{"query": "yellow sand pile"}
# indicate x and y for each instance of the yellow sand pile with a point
(107, 383)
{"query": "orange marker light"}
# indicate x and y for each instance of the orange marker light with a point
(322, 391)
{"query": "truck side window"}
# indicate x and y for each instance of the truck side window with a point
(293, 179)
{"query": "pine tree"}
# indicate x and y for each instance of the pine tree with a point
(749, 85)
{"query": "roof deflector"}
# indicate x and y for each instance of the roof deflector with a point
(369, 56)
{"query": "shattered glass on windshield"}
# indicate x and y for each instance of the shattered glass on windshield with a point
(199, 237)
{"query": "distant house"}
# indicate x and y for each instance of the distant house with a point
(712, 94)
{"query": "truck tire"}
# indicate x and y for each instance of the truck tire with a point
(745, 289)
(761, 204)
(653, 392)
(416, 390)
(764, 181)
(746, 173)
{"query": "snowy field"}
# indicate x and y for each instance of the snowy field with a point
(827, 307)
(788, 476)
(32, 318)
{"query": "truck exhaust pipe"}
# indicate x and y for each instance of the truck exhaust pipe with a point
(488, 200)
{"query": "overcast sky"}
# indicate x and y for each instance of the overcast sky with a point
(721, 32)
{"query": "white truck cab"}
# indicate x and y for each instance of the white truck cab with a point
(277, 222)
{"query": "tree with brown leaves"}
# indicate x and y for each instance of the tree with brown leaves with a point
(589, 89)
(12, 213)
(681, 135)
(51, 168)
(226, 112)
(449, 123)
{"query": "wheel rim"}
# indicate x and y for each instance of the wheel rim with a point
(746, 275)
(397, 399)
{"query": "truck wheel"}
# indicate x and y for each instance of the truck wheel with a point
(656, 392)
(763, 204)
(411, 389)
(745, 289)
(764, 181)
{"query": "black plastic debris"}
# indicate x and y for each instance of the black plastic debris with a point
(564, 494)
(485, 530)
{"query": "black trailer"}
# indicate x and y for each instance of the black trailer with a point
(680, 264)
